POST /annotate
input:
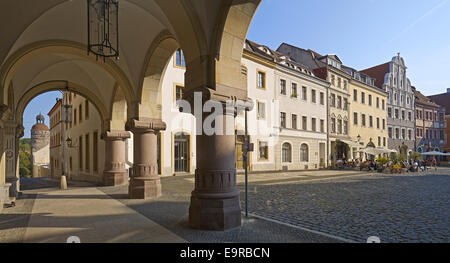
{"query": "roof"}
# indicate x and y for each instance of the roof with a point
(423, 100)
(276, 57)
(58, 103)
(378, 73)
(443, 100)
(40, 127)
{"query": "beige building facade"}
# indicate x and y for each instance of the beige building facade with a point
(368, 121)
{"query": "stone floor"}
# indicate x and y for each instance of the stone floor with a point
(311, 207)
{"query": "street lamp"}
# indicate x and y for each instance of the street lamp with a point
(103, 28)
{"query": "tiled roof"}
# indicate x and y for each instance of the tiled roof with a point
(378, 73)
(40, 127)
(443, 100)
(423, 100)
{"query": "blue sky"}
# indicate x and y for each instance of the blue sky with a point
(363, 33)
(42, 103)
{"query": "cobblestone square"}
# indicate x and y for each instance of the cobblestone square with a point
(395, 208)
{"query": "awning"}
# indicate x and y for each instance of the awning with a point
(350, 143)
(435, 153)
(376, 151)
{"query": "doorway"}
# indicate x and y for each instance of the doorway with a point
(181, 152)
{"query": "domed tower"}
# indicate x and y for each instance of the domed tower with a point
(40, 147)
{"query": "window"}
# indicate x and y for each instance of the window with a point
(333, 80)
(87, 150)
(345, 127)
(261, 110)
(363, 98)
(396, 114)
(390, 112)
(95, 152)
(294, 90)
(178, 93)
(403, 115)
(294, 121)
(179, 60)
(345, 85)
(333, 125)
(263, 151)
(80, 153)
(339, 102)
(355, 95)
(261, 80)
(74, 117)
(314, 124)
(304, 93)
(345, 104)
(283, 87)
(80, 113)
(86, 110)
(378, 103)
(305, 123)
(410, 135)
(333, 100)
(370, 121)
(378, 123)
(286, 153)
(370, 100)
(403, 134)
(397, 133)
(390, 132)
(363, 120)
(322, 98)
(339, 126)
(379, 141)
(283, 120)
(384, 141)
(355, 118)
(313, 96)
(304, 153)
(409, 116)
(322, 125)
(383, 104)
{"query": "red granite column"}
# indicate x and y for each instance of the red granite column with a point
(215, 201)
(145, 182)
(115, 172)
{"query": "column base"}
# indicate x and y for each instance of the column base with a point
(216, 212)
(144, 188)
(115, 178)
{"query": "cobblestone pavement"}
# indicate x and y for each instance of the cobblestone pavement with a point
(395, 208)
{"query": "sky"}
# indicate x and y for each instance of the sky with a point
(42, 103)
(363, 33)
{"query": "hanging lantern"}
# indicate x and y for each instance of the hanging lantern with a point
(103, 28)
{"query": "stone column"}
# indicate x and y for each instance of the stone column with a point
(215, 200)
(145, 182)
(12, 134)
(115, 173)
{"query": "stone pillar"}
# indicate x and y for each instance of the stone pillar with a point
(115, 173)
(12, 133)
(145, 182)
(215, 200)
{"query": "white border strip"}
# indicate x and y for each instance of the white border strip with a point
(302, 228)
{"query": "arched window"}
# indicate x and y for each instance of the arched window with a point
(304, 153)
(287, 153)
(179, 60)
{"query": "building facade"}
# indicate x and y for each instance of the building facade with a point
(392, 78)
(56, 160)
(330, 69)
(368, 124)
(288, 124)
(40, 148)
(430, 124)
(443, 100)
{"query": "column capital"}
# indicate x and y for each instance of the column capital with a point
(115, 135)
(143, 125)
